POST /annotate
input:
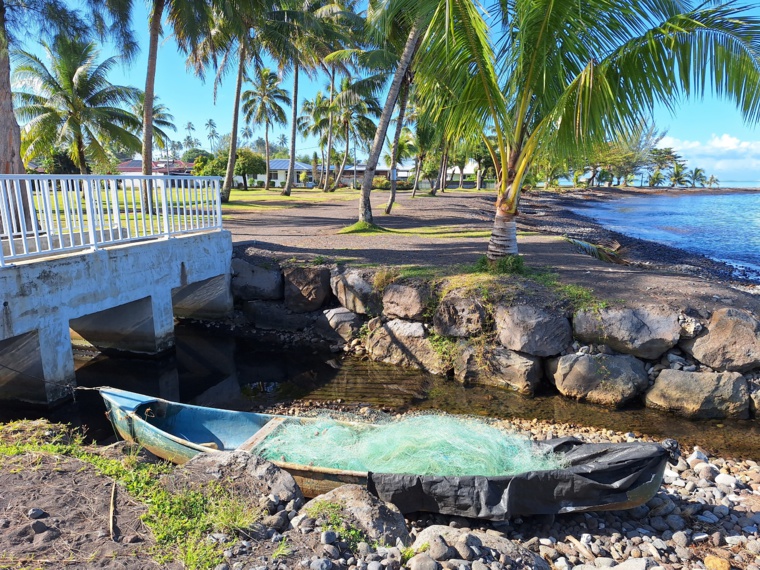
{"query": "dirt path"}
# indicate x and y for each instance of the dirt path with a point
(465, 218)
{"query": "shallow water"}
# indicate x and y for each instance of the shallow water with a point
(243, 375)
(725, 227)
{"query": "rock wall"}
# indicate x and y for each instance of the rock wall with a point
(693, 366)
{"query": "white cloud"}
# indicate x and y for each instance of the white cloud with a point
(724, 155)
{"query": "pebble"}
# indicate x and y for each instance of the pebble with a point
(328, 537)
(35, 513)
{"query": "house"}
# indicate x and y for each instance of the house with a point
(278, 172)
(175, 167)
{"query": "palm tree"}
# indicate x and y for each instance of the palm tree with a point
(213, 135)
(696, 176)
(246, 134)
(677, 175)
(657, 178)
(355, 108)
(261, 105)
(162, 119)
(424, 138)
(189, 20)
(571, 75)
(190, 128)
(713, 181)
(31, 18)
(71, 105)
(315, 30)
(313, 121)
(282, 140)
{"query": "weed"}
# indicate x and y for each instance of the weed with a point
(282, 550)
(320, 260)
(407, 554)
(445, 347)
(332, 515)
(384, 277)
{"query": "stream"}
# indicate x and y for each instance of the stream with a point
(241, 374)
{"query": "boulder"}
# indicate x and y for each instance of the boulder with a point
(601, 379)
(355, 292)
(379, 521)
(243, 474)
(405, 301)
(533, 330)
(341, 322)
(513, 555)
(260, 280)
(305, 288)
(406, 344)
(754, 403)
(498, 367)
(731, 341)
(646, 332)
(268, 315)
(459, 316)
(700, 395)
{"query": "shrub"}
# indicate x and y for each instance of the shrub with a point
(381, 183)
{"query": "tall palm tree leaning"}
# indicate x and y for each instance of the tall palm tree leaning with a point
(570, 75)
(261, 105)
(189, 20)
(71, 104)
(46, 18)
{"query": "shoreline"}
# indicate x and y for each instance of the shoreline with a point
(553, 213)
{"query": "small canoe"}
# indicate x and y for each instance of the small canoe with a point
(595, 476)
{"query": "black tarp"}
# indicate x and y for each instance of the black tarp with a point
(597, 476)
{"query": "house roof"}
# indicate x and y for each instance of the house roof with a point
(135, 166)
(284, 164)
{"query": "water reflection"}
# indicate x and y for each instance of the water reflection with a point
(240, 374)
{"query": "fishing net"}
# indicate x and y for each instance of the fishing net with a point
(422, 445)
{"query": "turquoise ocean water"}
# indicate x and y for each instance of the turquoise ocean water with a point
(725, 227)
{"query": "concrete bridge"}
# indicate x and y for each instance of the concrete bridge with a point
(106, 261)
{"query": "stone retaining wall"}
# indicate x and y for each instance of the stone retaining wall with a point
(699, 368)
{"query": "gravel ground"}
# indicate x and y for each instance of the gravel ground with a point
(657, 274)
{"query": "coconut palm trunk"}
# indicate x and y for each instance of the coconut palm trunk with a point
(230, 174)
(326, 187)
(417, 169)
(266, 154)
(10, 133)
(345, 159)
(293, 119)
(154, 30)
(365, 207)
(403, 99)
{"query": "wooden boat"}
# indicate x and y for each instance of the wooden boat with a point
(597, 476)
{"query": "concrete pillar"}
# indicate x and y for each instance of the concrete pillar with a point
(207, 299)
(57, 360)
(143, 326)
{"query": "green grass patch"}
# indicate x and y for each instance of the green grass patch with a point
(332, 516)
(363, 228)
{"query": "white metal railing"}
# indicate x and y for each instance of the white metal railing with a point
(49, 214)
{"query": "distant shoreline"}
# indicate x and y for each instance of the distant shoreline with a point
(558, 213)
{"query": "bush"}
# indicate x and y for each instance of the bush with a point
(282, 184)
(381, 183)
(404, 185)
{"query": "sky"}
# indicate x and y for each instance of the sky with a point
(707, 133)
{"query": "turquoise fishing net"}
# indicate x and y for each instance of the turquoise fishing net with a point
(422, 445)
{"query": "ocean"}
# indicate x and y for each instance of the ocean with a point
(724, 227)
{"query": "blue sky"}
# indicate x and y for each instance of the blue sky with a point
(709, 134)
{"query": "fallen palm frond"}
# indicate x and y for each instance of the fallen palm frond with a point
(610, 254)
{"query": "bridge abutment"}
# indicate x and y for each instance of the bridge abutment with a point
(124, 297)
